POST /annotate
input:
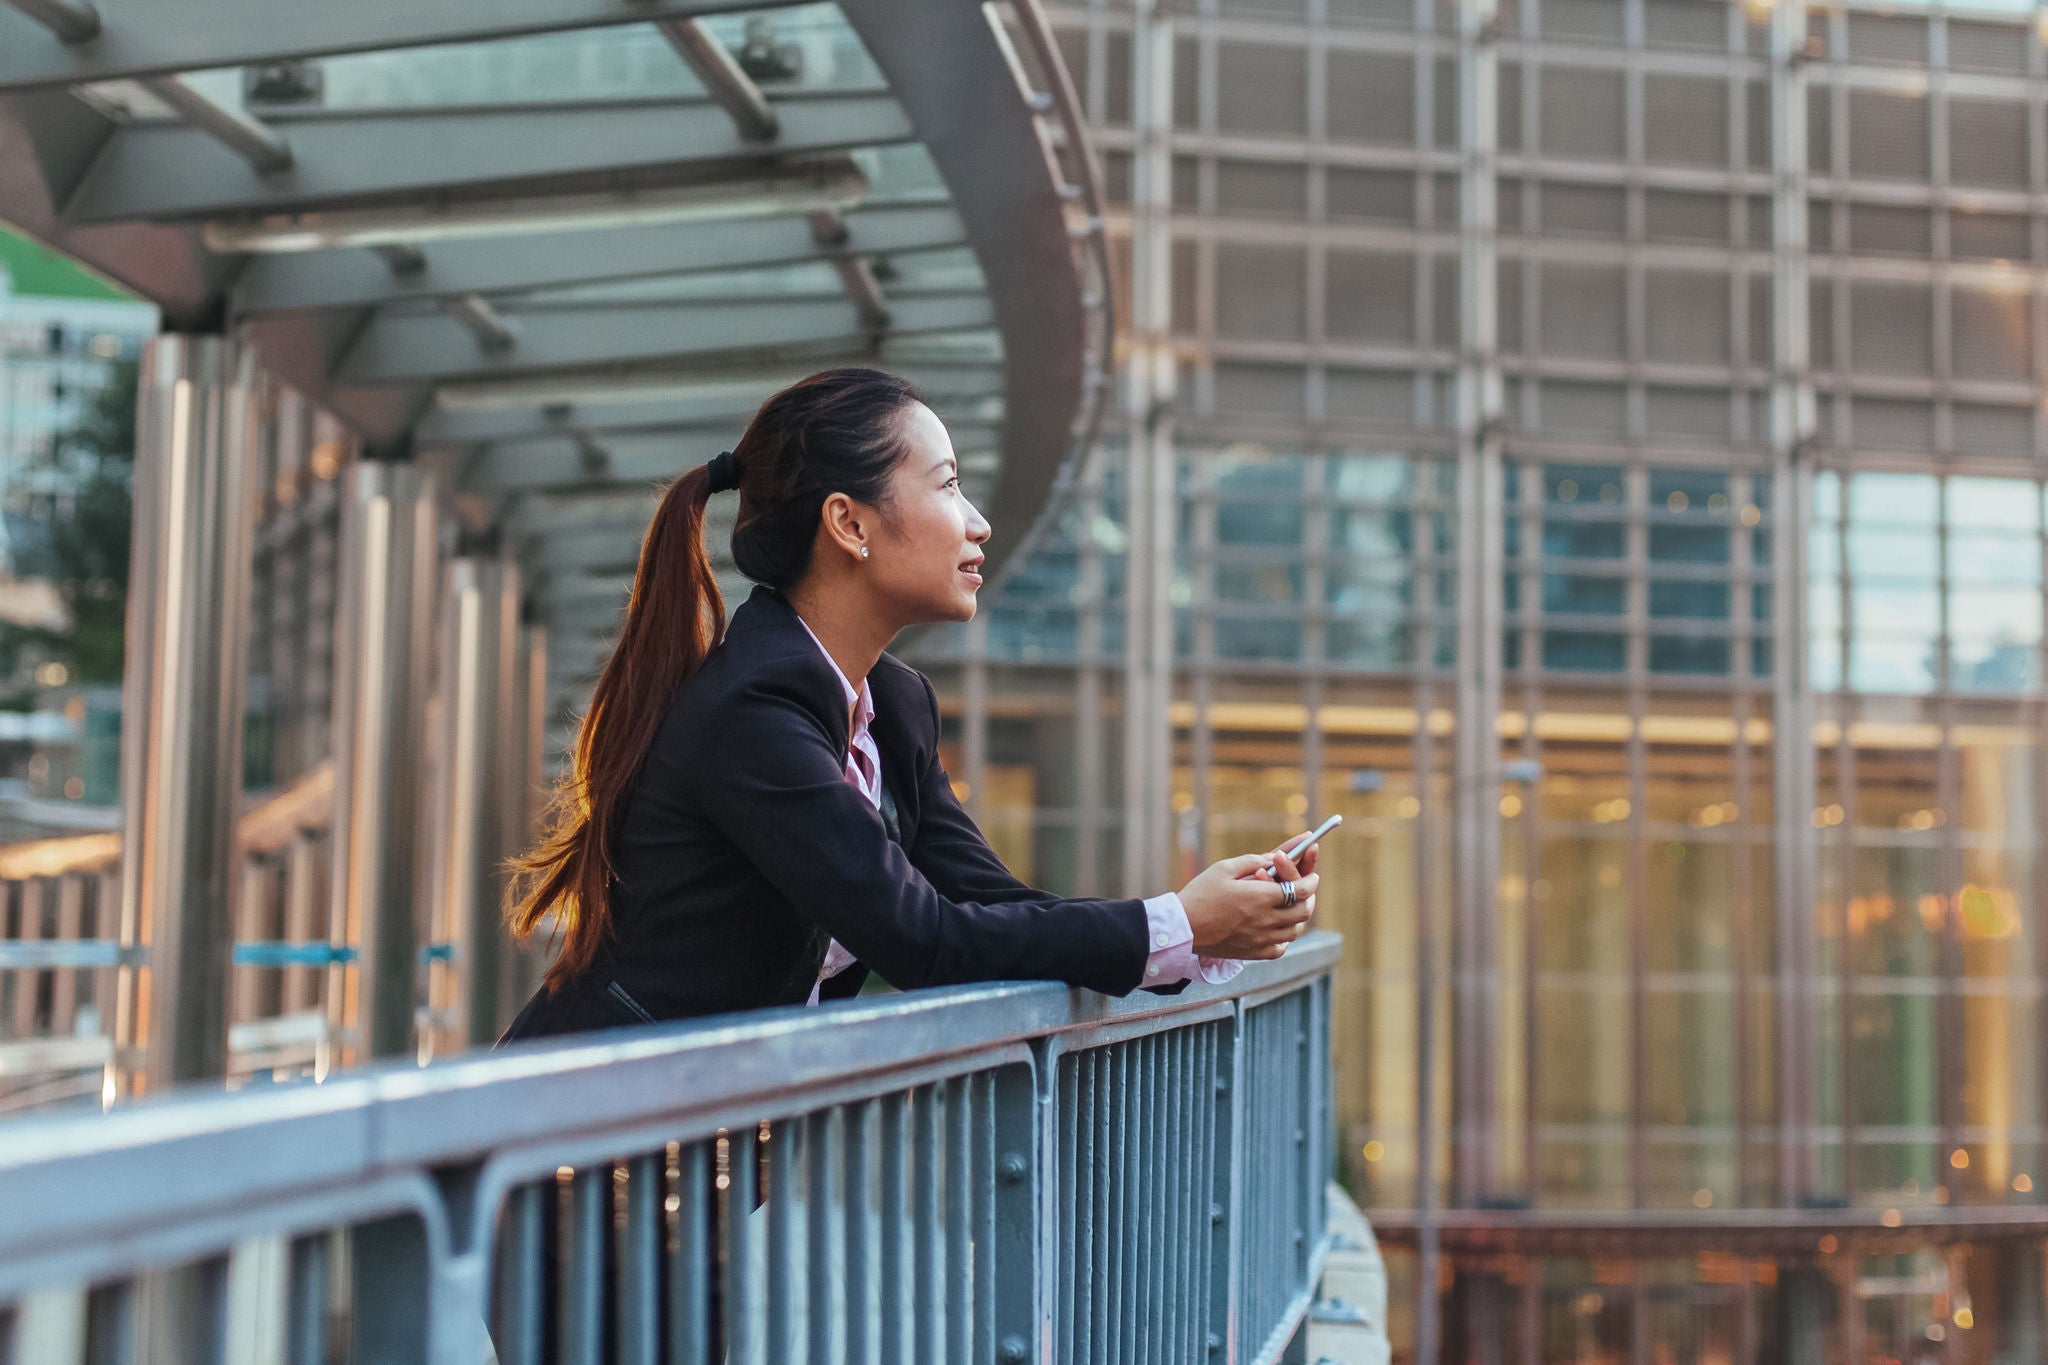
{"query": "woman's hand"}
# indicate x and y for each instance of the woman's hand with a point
(1236, 912)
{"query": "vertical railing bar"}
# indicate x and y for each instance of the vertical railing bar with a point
(581, 1340)
(741, 1290)
(958, 1342)
(895, 1206)
(825, 1199)
(27, 983)
(521, 1311)
(1106, 1224)
(1151, 1179)
(64, 983)
(925, 1228)
(306, 1311)
(1115, 1224)
(693, 1257)
(1179, 1170)
(860, 1264)
(638, 1299)
(1072, 1238)
(786, 1162)
(1102, 1136)
(984, 1137)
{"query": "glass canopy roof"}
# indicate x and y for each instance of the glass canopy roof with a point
(558, 250)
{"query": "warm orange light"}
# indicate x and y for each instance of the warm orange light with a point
(1959, 1159)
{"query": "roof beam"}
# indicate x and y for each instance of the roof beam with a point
(73, 21)
(968, 388)
(493, 330)
(410, 350)
(729, 379)
(356, 279)
(856, 272)
(150, 37)
(255, 142)
(563, 463)
(155, 171)
(723, 78)
(1009, 198)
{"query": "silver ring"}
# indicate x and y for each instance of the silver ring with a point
(1287, 896)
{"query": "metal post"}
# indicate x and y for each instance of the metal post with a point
(466, 799)
(1476, 757)
(518, 740)
(1792, 423)
(389, 545)
(1149, 488)
(182, 698)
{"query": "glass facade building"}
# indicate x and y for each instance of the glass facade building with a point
(1703, 1009)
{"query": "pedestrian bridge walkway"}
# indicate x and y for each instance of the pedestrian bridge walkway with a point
(999, 1173)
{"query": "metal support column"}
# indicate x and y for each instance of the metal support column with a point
(1793, 771)
(1149, 493)
(522, 740)
(182, 699)
(1476, 779)
(383, 619)
(479, 595)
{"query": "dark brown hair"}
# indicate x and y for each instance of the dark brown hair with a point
(836, 432)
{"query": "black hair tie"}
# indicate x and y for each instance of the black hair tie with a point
(724, 471)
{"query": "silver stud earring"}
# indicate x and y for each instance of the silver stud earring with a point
(863, 552)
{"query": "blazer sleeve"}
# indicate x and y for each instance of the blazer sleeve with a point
(773, 786)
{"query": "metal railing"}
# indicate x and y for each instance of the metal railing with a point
(998, 1173)
(62, 956)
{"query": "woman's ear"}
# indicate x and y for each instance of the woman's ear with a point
(842, 523)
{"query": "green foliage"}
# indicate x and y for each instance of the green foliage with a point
(86, 553)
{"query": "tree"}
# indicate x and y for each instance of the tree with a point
(84, 551)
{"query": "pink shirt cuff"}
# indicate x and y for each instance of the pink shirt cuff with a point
(1173, 957)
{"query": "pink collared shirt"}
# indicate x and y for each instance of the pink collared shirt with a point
(1173, 957)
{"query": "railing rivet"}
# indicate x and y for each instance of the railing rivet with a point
(1215, 1343)
(1222, 1084)
(1215, 1213)
(1013, 1349)
(1300, 1137)
(1012, 1169)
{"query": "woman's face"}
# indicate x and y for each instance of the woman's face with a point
(927, 555)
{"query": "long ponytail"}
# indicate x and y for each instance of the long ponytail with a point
(837, 431)
(673, 618)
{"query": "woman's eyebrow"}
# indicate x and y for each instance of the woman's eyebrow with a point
(943, 463)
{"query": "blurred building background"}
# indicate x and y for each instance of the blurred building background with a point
(1625, 507)
(1594, 445)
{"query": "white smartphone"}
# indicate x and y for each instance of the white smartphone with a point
(1302, 845)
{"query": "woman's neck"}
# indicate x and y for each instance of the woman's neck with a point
(851, 634)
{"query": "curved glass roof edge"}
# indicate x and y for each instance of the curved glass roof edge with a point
(561, 269)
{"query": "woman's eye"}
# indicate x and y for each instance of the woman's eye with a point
(953, 482)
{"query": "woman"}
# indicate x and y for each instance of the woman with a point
(758, 816)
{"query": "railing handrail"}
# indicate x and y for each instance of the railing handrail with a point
(265, 827)
(67, 1178)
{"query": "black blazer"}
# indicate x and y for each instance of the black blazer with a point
(742, 849)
